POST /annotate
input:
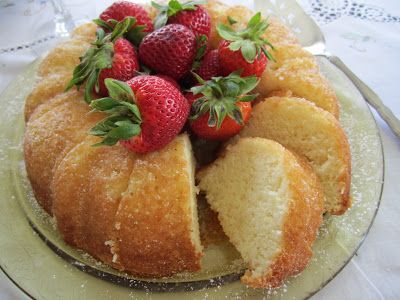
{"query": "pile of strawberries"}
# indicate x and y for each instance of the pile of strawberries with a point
(136, 72)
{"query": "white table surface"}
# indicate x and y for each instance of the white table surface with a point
(366, 36)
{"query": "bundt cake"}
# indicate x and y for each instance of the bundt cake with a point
(137, 212)
(130, 211)
(313, 133)
(269, 205)
(53, 130)
(297, 71)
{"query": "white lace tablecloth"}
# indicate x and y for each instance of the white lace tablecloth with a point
(364, 34)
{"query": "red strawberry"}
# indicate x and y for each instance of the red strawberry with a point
(253, 55)
(170, 80)
(121, 9)
(124, 64)
(189, 14)
(197, 20)
(231, 61)
(220, 107)
(169, 50)
(210, 65)
(228, 128)
(145, 113)
(110, 56)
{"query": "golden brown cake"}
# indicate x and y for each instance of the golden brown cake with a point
(54, 129)
(269, 205)
(313, 133)
(138, 212)
(128, 210)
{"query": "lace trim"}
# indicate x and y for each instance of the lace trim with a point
(328, 11)
(27, 46)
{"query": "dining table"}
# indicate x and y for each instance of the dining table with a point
(365, 34)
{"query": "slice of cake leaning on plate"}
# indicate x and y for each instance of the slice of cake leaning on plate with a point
(270, 206)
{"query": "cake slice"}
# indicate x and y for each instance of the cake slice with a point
(312, 133)
(87, 188)
(46, 89)
(269, 205)
(64, 57)
(135, 212)
(54, 128)
(297, 71)
(85, 32)
(156, 226)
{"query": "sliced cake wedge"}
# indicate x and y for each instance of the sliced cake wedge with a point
(313, 133)
(270, 206)
(156, 225)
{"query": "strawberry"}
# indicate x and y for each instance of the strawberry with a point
(110, 56)
(220, 107)
(228, 128)
(169, 50)
(189, 14)
(121, 9)
(170, 80)
(145, 113)
(210, 67)
(124, 64)
(253, 55)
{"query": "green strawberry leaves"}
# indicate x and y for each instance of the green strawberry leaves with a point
(103, 24)
(119, 90)
(249, 50)
(132, 33)
(124, 118)
(248, 40)
(219, 97)
(227, 33)
(201, 46)
(113, 129)
(121, 28)
(98, 57)
(171, 9)
(254, 21)
(231, 20)
(136, 34)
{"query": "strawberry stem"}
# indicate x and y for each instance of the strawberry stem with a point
(248, 40)
(219, 97)
(124, 118)
(171, 9)
(98, 57)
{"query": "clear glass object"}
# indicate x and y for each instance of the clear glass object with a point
(32, 25)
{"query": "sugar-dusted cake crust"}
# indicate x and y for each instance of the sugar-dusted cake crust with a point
(156, 227)
(46, 88)
(131, 211)
(87, 187)
(54, 129)
(313, 133)
(297, 71)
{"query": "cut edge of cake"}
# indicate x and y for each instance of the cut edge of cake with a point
(283, 183)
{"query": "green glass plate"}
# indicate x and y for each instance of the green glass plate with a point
(44, 267)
